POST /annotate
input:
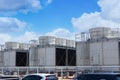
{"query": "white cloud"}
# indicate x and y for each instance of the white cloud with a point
(108, 17)
(87, 21)
(8, 24)
(110, 9)
(61, 32)
(25, 38)
(4, 38)
(19, 5)
(49, 1)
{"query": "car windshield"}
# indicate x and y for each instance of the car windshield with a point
(32, 77)
(9, 78)
(96, 77)
(51, 77)
(118, 77)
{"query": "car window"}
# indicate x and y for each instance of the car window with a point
(96, 77)
(118, 77)
(90, 77)
(9, 78)
(80, 77)
(32, 77)
(106, 77)
(51, 77)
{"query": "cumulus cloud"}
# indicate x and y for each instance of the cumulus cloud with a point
(25, 38)
(4, 38)
(107, 17)
(19, 5)
(110, 9)
(49, 2)
(61, 32)
(8, 24)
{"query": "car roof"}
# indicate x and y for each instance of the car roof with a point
(102, 73)
(2, 75)
(41, 74)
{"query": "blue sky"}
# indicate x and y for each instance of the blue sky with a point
(24, 20)
(57, 14)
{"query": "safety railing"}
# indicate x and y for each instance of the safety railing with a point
(61, 71)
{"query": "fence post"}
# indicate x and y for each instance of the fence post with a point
(76, 72)
(27, 70)
(49, 70)
(2, 71)
(61, 73)
(18, 72)
(37, 70)
(92, 69)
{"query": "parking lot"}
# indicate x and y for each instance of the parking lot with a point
(62, 73)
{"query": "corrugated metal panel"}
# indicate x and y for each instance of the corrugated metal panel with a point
(100, 32)
(70, 43)
(46, 40)
(60, 41)
(33, 43)
(2, 47)
(24, 46)
(11, 45)
(16, 45)
(50, 40)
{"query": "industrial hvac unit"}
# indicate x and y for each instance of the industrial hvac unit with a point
(46, 40)
(11, 45)
(105, 53)
(104, 32)
(1, 58)
(82, 54)
(16, 58)
(42, 56)
(52, 56)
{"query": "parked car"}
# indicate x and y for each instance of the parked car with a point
(9, 77)
(98, 76)
(40, 76)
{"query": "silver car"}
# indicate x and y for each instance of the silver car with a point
(40, 76)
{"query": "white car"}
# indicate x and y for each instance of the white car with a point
(9, 77)
(40, 76)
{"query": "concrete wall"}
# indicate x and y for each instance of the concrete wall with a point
(1, 58)
(9, 58)
(104, 53)
(44, 56)
(33, 56)
(82, 53)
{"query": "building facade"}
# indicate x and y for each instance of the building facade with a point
(102, 48)
(47, 51)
